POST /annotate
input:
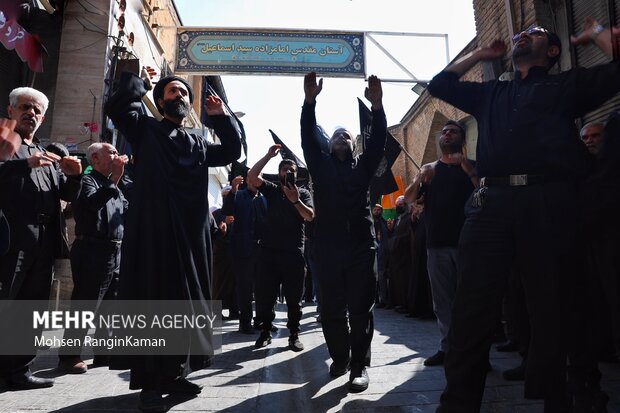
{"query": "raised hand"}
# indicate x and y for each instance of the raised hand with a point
(9, 139)
(586, 34)
(234, 184)
(311, 87)
(214, 106)
(493, 51)
(274, 150)
(374, 92)
(146, 74)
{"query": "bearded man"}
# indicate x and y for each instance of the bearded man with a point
(446, 185)
(166, 252)
(344, 234)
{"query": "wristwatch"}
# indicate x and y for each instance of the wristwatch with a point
(598, 29)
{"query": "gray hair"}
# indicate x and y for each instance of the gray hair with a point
(590, 125)
(29, 92)
(92, 149)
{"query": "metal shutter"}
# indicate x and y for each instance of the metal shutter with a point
(587, 56)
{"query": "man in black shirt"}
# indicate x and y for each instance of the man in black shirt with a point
(344, 239)
(32, 183)
(96, 251)
(281, 259)
(446, 184)
(597, 329)
(528, 157)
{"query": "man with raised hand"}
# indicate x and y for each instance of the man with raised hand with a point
(344, 233)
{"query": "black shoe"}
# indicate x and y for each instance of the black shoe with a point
(294, 343)
(29, 382)
(152, 402)
(246, 328)
(436, 359)
(181, 386)
(516, 374)
(510, 345)
(339, 369)
(358, 380)
(263, 340)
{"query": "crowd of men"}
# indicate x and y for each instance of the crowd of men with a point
(527, 234)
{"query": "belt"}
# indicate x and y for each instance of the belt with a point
(44, 219)
(514, 180)
(100, 240)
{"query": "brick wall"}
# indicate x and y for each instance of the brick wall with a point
(420, 127)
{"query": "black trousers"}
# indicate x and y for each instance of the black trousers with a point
(25, 275)
(529, 229)
(246, 272)
(279, 267)
(516, 314)
(597, 311)
(95, 268)
(348, 285)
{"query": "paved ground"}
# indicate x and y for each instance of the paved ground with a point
(274, 379)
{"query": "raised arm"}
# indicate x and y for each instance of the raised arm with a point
(375, 147)
(467, 96)
(124, 107)
(309, 141)
(495, 50)
(593, 33)
(254, 177)
(229, 148)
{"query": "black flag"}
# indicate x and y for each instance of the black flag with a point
(286, 152)
(238, 167)
(383, 182)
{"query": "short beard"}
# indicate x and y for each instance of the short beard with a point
(454, 147)
(176, 108)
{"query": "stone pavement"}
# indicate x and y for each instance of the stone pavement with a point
(275, 379)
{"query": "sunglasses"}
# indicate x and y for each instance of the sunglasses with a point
(531, 31)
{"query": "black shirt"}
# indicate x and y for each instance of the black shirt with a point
(444, 201)
(39, 187)
(99, 209)
(283, 226)
(341, 187)
(527, 126)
